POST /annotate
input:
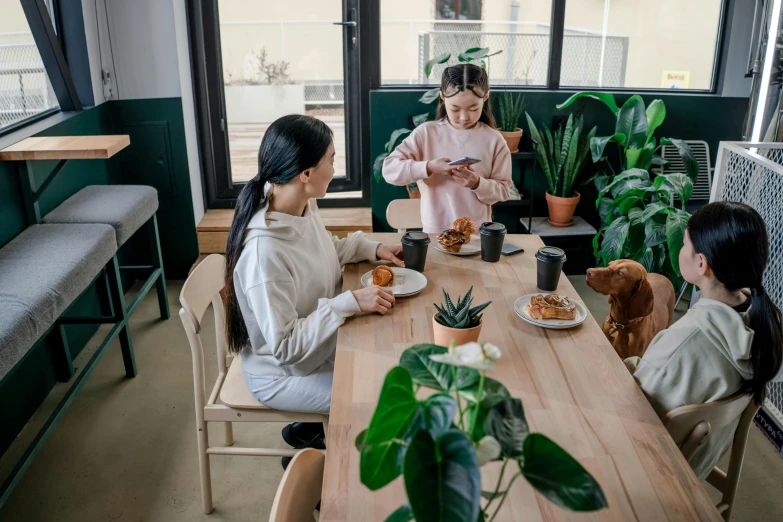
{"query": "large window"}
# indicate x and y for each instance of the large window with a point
(25, 90)
(634, 44)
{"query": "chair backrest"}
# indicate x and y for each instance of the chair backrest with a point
(403, 214)
(300, 488)
(690, 425)
(201, 288)
(701, 151)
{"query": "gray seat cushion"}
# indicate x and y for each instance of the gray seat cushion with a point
(42, 271)
(125, 207)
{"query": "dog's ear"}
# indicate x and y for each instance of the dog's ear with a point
(642, 302)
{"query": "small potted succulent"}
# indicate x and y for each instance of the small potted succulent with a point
(457, 323)
(511, 108)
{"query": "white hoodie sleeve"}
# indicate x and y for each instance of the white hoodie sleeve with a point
(293, 340)
(355, 248)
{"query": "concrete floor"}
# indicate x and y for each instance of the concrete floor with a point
(126, 448)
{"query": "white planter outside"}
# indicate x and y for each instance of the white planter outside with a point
(263, 103)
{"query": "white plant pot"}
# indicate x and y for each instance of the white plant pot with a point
(263, 103)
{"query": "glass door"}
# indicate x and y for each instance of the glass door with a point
(266, 59)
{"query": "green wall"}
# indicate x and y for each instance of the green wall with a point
(691, 117)
(157, 156)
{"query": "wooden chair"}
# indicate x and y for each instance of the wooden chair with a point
(403, 214)
(230, 399)
(300, 488)
(690, 425)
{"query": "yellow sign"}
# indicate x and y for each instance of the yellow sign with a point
(675, 79)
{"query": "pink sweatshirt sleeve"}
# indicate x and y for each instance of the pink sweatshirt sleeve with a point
(493, 189)
(405, 165)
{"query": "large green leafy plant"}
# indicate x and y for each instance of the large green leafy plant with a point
(438, 445)
(563, 154)
(638, 218)
(478, 54)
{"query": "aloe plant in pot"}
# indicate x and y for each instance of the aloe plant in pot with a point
(457, 323)
(511, 108)
(562, 156)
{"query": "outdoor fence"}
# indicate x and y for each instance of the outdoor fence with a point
(24, 87)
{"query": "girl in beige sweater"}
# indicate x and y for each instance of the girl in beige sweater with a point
(463, 126)
(732, 339)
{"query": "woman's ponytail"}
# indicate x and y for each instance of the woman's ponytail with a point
(765, 352)
(291, 145)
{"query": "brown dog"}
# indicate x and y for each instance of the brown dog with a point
(642, 304)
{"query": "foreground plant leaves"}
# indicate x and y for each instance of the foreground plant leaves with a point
(558, 476)
(401, 514)
(506, 422)
(442, 478)
(431, 374)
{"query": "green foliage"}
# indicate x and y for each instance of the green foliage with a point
(563, 155)
(638, 218)
(511, 108)
(433, 442)
(461, 315)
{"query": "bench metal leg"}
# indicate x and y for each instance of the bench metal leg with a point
(118, 298)
(63, 360)
(157, 263)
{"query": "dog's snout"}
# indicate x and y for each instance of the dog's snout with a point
(590, 273)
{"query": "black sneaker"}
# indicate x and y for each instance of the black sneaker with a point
(300, 434)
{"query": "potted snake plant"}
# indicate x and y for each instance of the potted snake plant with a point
(562, 156)
(511, 108)
(457, 323)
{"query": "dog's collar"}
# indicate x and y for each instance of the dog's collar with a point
(623, 326)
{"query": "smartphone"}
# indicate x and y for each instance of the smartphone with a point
(509, 249)
(464, 161)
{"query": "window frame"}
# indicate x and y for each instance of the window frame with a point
(557, 25)
(49, 46)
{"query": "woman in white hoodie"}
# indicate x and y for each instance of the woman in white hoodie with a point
(283, 281)
(732, 339)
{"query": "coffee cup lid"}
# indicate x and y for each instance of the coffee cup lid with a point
(491, 228)
(415, 239)
(550, 254)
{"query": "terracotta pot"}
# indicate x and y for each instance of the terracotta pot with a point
(561, 210)
(443, 335)
(512, 139)
(413, 194)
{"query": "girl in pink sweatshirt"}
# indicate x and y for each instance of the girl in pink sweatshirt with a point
(463, 126)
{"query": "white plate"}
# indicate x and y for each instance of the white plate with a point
(468, 249)
(406, 281)
(520, 307)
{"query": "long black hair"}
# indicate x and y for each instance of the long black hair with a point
(291, 145)
(465, 77)
(733, 238)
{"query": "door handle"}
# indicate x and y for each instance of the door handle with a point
(349, 24)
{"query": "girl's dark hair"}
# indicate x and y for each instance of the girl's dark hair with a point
(291, 145)
(465, 77)
(733, 238)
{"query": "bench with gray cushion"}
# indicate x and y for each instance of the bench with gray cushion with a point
(127, 208)
(43, 271)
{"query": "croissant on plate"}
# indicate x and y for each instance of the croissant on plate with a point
(551, 306)
(452, 240)
(466, 226)
(382, 276)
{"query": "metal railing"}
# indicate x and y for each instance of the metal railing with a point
(24, 86)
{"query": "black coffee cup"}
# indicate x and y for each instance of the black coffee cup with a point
(550, 264)
(492, 237)
(414, 250)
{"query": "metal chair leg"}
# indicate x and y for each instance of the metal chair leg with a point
(681, 293)
(157, 263)
(118, 298)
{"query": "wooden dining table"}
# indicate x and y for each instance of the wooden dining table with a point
(574, 388)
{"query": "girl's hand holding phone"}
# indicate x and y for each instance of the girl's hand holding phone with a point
(466, 177)
(439, 166)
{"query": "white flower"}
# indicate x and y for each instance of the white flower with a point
(487, 450)
(473, 355)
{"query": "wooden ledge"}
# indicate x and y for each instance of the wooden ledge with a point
(214, 226)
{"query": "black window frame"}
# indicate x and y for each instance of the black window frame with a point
(50, 44)
(206, 65)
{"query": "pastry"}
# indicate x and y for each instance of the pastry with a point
(382, 276)
(551, 306)
(466, 226)
(452, 240)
